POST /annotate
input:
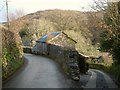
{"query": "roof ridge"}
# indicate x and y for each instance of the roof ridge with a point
(45, 37)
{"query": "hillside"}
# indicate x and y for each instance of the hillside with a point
(82, 27)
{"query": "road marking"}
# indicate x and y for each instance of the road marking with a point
(92, 81)
(109, 81)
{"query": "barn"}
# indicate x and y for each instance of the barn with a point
(61, 47)
(60, 39)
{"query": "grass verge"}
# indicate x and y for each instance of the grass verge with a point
(113, 70)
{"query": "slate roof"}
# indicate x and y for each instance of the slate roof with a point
(51, 35)
(48, 36)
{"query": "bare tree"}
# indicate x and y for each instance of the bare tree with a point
(98, 5)
(17, 14)
(59, 20)
(109, 10)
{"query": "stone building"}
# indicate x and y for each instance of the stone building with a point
(59, 39)
(59, 46)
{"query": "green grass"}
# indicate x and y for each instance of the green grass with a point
(100, 67)
(17, 64)
(11, 61)
(11, 69)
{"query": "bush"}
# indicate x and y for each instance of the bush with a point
(115, 70)
(110, 38)
(11, 54)
(24, 32)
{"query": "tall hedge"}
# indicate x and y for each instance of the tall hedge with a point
(11, 53)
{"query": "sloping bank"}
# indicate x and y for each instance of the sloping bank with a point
(12, 55)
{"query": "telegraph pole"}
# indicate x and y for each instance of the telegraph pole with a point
(7, 14)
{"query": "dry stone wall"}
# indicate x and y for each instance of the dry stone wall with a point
(62, 56)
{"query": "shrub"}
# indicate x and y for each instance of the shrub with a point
(11, 54)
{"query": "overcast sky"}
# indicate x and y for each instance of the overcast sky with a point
(30, 6)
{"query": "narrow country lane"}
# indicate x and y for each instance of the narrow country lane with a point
(97, 79)
(40, 72)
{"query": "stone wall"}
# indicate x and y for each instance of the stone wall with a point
(62, 56)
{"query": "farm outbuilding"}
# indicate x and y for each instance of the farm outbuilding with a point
(60, 47)
(53, 39)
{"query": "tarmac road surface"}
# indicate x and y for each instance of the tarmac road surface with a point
(40, 72)
(97, 79)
